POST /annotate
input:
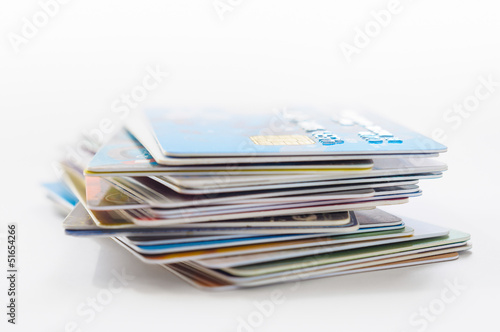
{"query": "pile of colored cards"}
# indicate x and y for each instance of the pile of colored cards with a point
(226, 201)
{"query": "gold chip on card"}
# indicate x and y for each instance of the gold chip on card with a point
(282, 140)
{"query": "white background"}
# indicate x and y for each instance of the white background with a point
(261, 55)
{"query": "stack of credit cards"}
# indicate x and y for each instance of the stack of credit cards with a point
(228, 201)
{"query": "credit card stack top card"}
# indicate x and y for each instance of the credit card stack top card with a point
(261, 195)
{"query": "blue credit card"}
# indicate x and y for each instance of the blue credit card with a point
(214, 132)
(59, 189)
(200, 245)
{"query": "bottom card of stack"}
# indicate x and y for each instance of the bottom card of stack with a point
(295, 260)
